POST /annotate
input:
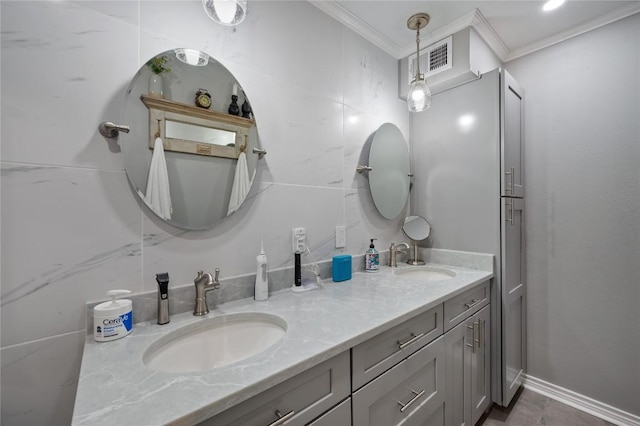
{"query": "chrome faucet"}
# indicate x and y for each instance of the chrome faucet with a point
(393, 252)
(204, 283)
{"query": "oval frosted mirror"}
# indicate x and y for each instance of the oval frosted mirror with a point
(185, 101)
(390, 168)
(416, 228)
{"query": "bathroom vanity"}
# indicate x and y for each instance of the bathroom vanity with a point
(380, 349)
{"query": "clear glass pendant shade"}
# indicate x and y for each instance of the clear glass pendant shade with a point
(192, 57)
(226, 12)
(419, 96)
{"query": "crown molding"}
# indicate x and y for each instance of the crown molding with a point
(489, 35)
(473, 19)
(613, 16)
(358, 26)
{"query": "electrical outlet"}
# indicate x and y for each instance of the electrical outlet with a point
(298, 237)
(341, 237)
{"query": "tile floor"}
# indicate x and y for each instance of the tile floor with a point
(531, 409)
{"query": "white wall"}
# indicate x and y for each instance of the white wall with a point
(71, 226)
(582, 127)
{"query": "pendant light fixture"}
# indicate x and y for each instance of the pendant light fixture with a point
(192, 57)
(226, 12)
(419, 96)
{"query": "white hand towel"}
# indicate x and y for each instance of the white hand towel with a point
(158, 196)
(241, 184)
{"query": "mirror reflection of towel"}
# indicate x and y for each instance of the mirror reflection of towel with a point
(241, 184)
(158, 197)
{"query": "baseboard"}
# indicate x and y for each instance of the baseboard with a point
(581, 402)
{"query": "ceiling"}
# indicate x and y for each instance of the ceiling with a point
(511, 28)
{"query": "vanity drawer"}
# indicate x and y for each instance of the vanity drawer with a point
(380, 353)
(298, 400)
(411, 393)
(465, 304)
(339, 416)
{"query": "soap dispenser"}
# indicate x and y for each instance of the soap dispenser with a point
(261, 291)
(372, 258)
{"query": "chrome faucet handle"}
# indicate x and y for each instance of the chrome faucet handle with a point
(216, 282)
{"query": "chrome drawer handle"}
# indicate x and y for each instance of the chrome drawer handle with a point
(403, 407)
(510, 211)
(414, 337)
(473, 303)
(281, 418)
(475, 341)
(509, 186)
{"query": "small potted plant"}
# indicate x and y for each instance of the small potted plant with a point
(158, 67)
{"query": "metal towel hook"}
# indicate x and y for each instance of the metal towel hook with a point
(111, 130)
(261, 152)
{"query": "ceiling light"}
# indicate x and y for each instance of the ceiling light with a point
(552, 4)
(419, 96)
(192, 57)
(226, 12)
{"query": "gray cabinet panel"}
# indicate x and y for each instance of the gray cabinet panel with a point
(460, 307)
(512, 164)
(468, 369)
(481, 365)
(306, 395)
(378, 354)
(513, 299)
(411, 393)
(339, 416)
(458, 374)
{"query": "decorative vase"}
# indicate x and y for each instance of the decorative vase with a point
(155, 85)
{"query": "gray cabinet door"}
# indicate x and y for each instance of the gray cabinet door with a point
(480, 385)
(513, 295)
(468, 370)
(411, 393)
(458, 374)
(512, 135)
(296, 401)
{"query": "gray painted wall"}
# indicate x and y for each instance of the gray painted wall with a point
(583, 212)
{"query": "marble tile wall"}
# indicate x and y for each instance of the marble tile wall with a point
(71, 225)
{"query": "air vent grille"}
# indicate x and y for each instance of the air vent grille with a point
(433, 59)
(438, 57)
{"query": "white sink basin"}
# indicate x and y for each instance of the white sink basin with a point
(214, 342)
(426, 273)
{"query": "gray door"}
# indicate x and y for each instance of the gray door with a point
(512, 137)
(513, 298)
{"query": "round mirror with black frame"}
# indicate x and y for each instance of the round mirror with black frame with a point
(389, 175)
(196, 110)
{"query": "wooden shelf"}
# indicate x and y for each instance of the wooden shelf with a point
(152, 102)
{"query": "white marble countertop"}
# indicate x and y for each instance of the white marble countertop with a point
(115, 386)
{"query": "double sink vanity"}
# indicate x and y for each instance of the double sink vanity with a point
(401, 345)
(406, 345)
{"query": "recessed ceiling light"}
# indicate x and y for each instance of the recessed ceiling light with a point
(552, 4)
